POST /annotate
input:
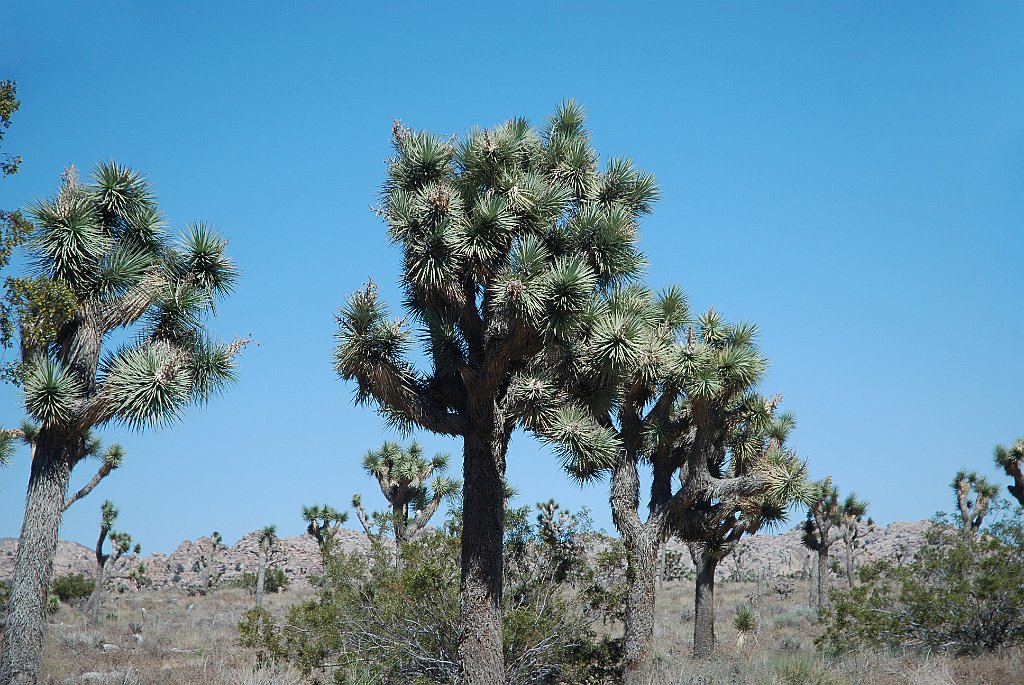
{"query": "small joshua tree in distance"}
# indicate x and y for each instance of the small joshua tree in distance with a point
(974, 493)
(267, 540)
(852, 527)
(1010, 459)
(323, 522)
(820, 533)
(120, 544)
(404, 476)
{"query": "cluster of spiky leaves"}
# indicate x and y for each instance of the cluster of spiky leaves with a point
(508, 236)
(404, 475)
(974, 493)
(1011, 460)
(323, 521)
(103, 248)
(830, 518)
(828, 515)
(823, 513)
(120, 542)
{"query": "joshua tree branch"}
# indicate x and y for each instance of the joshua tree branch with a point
(397, 389)
(132, 305)
(102, 473)
(364, 520)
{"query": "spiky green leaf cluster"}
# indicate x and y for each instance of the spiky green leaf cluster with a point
(404, 475)
(510, 239)
(101, 260)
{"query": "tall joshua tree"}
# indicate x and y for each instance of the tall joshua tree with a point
(120, 544)
(103, 244)
(974, 493)
(1011, 459)
(751, 448)
(404, 478)
(852, 527)
(506, 236)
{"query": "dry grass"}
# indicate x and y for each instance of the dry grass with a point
(185, 640)
(781, 650)
(193, 641)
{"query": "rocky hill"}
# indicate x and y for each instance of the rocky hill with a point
(192, 563)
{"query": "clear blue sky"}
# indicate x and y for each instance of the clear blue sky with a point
(847, 175)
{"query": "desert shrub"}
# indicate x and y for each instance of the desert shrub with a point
(265, 674)
(791, 644)
(77, 641)
(961, 593)
(276, 580)
(5, 595)
(802, 669)
(377, 621)
(794, 617)
(72, 586)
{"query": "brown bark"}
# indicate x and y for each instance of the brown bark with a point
(849, 563)
(812, 598)
(704, 606)
(96, 599)
(481, 652)
(44, 505)
(638, 639)
(261, 572)
(823, 578)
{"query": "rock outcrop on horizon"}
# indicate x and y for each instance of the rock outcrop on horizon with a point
(769, 556)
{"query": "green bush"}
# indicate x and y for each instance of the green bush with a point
(276, 580)
(961, 593)
(375, 621)
(72, 586)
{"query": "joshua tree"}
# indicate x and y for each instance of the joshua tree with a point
(267, 540)
(103, 246)
(120, 544)
(207, 562)
(506, 237)
(323, 522)
(663, 396)
(852, 527)
(403, 475)
(822, 528)
(974, 494)
(1010, 459)
(751, 449)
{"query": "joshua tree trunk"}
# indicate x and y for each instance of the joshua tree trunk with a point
(812, 595)
(822, 578)
(849, 565)
(704, 606)
(97, 595)
(26, 618)
(638, 652)
(483, 530)
(261, 577)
